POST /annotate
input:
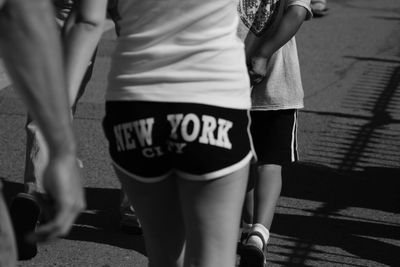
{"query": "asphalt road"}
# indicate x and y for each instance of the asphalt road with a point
(340, 204)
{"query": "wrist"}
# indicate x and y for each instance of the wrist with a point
(263, 54)
(62, 145)
(265, 51)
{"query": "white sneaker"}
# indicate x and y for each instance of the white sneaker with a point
(319, 8)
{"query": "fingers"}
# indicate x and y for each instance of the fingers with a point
(64, 200)
(257, 68)
(255, 78)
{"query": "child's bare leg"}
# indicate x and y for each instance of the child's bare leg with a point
(248, 207)
(212, 211)
(266, 193)
(267, 189)
(157, 206)
(261, 200)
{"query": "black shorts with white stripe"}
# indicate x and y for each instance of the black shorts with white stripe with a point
(274, 134)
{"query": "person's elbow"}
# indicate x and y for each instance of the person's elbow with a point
(91, 23)
(297, 13)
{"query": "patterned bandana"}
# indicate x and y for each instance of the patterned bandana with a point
(258, 15)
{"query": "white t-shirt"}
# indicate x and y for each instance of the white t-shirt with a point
(282, 89)
(179, 51)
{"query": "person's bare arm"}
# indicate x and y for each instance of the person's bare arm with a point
(31, 49)
(81, 34)
(292, 19)
(290, 24)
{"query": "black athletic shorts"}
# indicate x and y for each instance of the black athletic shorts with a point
(150, 140)
(274, 134)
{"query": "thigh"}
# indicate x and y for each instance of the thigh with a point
(158, 209)
(211, 211)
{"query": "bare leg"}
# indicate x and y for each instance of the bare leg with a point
(266, 193)
(248, 207)
(211, 214)
(267, 189)
(158, 208)
(212, 211)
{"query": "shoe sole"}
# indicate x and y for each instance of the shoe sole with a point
(24, 213)
(320, 13)
(251, 256)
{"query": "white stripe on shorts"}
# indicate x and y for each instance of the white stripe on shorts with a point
(294, 153)
(140, 178)
(217, 174)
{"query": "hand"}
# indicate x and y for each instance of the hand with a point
(257, 69)
(62, 182)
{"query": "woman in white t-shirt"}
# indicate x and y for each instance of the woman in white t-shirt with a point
(177, 122)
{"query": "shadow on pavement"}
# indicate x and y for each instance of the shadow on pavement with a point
(99, 223)
(373, 189)
(387, 18)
